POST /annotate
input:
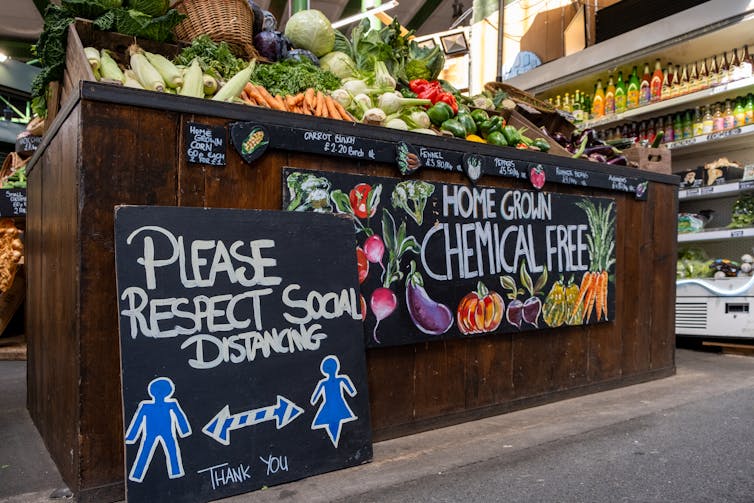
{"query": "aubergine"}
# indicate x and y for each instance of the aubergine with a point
(429, 316)
(618, 161)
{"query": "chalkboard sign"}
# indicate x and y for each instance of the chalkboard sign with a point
(12, 202)
(441, 261)
(205, 144)
(241, 350)
(27, 144)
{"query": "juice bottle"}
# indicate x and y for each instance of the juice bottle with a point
(714, 76)
(620, 95)
(693, 79)
(718, 121)
(598, 101)
(746, 63)
(665, 90)
(632, 92)
(749, 109)
(739, 114)
(651, 131)
(728, 117)
(668, 128)
(703, 76)
(642, 131)
(698, 122)
(645, 91)
(722, 69)
(558, 104)
(655, 84)
(709, 121)
(567, 103)
(586, 106)
(683, 87)
(688, 125)
(675, 84)
(610, 97)
(678, 125)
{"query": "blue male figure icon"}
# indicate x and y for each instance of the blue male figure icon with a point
(158, 420)
(334, 410)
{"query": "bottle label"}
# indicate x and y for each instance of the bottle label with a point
(620, 102)
(609, 104)
(718, 124)
(655, 90)
(632, 100)
(645, 94)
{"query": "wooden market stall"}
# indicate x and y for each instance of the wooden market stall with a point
(111, 146)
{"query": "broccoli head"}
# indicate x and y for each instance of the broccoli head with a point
(411, 196)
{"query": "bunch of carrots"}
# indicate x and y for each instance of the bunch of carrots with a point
(309, 102)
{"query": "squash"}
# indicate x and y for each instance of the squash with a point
(480, 311)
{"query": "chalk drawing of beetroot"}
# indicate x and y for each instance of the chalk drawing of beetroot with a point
(530, 309)
(429, 316)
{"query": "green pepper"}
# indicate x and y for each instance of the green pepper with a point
(497, 138)
(454, 127)
(468, 122)
(541, 144)
(491, 125)
(512, 135)
(440, 112)
(479, 115)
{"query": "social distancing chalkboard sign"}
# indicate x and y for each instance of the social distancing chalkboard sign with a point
(242, 350)
(439, 261)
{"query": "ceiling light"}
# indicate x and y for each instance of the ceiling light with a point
(454, 43)
(358, 17)
(3, 57)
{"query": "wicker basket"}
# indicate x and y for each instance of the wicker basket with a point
(229, 21)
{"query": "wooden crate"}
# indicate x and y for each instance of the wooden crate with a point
(649, 159)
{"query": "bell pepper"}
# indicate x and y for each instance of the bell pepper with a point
(475, 138)
(512, 135)
(454, 127)
(439, 113)
(467, 122)
(541, 144)
(479, 115)
(491, 125)
(497, 138)
(447, 98)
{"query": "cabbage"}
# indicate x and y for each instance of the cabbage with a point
(154, 8)
(338, 63)
(311, 30)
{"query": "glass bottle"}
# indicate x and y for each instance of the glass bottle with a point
(714, 76)
(749, 109)
(586, 106)
(722, 69)
(698, 122)
(665, 90)
(728, 117)
(709, 121)
(598, 101)
(683, 87)
(718, 121)
(734, 69)
(739, 113)
(578, 115)
(645, 91)
(655, 84)
(688, 125)
(620, 95)
(703, 77)
(669, 131)
(651, 131)
(558, 104)
(675, 84)
(632, 92)
(610, 97)
(693, 79)
(746, 63)
(642, 131)
(678, 125)
(567, 103)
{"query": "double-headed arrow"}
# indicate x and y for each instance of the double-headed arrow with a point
(283, 412)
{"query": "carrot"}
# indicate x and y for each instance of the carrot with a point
(589, 301)
(598, 295)
(331, 110)
(320, 104)
(290, 103)
(586, 281)
(309, 98)
(281, 102)
(305, 109)
(268, 98)
(605, 281)
(246, 99)
(248, 88)
(343, 112)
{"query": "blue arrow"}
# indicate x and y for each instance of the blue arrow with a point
(283, 412)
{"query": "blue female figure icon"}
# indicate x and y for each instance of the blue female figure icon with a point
(334, 410)
(158, 420)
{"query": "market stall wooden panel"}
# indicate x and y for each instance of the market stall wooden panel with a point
(111, 147)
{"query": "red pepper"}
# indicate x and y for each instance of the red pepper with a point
(449, 99)
(358, 197)
(417, 85)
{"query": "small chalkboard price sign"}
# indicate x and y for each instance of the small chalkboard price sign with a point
(242, 350)
(12, 202)
(205, 144)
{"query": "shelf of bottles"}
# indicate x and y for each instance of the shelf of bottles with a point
(719, 87)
